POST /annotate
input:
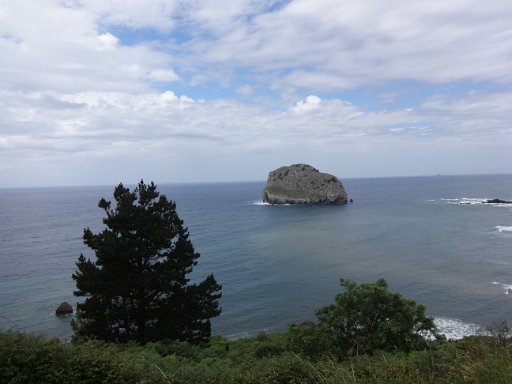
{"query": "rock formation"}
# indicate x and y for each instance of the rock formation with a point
(64, 309)
(303, 184)
(496, 201)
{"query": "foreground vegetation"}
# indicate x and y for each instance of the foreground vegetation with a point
(266, 358)
(368, 335)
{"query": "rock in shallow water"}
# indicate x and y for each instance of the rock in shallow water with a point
(497, 201)
(303, 184)
(64, 309)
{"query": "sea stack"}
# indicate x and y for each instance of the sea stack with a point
(303, 184)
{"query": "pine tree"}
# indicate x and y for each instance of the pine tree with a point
(138, 287)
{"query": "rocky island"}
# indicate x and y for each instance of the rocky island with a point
(303, 184)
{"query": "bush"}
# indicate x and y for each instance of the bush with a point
(26, 358)
(268, 350)
(366, 318)
(30, 359)
(175, 347)
(33, 359)
(310, 340)
(500, 333)
(291, 369)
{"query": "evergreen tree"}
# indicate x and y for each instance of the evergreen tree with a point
(138, 287)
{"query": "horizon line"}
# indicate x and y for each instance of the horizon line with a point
(240, 181)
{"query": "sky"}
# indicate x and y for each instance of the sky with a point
(97, 92)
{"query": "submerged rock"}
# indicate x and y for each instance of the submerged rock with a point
(303, 184)
(64, 309)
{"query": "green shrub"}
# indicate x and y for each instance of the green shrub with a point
(26, 358)
(291, 369)
(268, 350)
(30, 359)
(481, 360)
(175, 347)
(310, 340)
(367, 318)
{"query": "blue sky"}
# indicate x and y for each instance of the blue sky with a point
(101, 92)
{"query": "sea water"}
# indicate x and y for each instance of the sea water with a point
(431, 238)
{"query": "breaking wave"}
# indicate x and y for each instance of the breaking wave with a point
(260, 202)
(454, 329)
(507, 288)
(465, 201)
(473, 201)
(503, 228)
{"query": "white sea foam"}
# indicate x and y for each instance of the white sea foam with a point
(507, 288)
(503, 228)
(464, 201)
(259, 202)
(456, 329)
(473, 201)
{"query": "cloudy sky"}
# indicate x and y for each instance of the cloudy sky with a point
(104, 91)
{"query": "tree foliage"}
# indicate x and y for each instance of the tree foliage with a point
(137, 287)
(368, 317)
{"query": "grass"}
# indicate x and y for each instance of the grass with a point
(266, 358)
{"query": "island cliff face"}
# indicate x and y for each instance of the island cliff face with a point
(303, 184)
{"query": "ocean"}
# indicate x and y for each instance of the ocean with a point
(431, 238)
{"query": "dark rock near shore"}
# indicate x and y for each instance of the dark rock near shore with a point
(496, 201)
(64, 309)
(303, 184)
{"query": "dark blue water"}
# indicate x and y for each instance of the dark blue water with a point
(429, 237)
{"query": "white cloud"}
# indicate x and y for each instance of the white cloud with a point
(345, 44)
(104, 118)
(311, 103)
(64, 48)
(163, 75)
(164, 132)
(319, 46)
(108, 40)
(78, 97)
(220, 19)
(132, 13)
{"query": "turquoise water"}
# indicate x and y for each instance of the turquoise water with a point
(429, 237)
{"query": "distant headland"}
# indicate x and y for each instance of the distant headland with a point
(303, 184)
